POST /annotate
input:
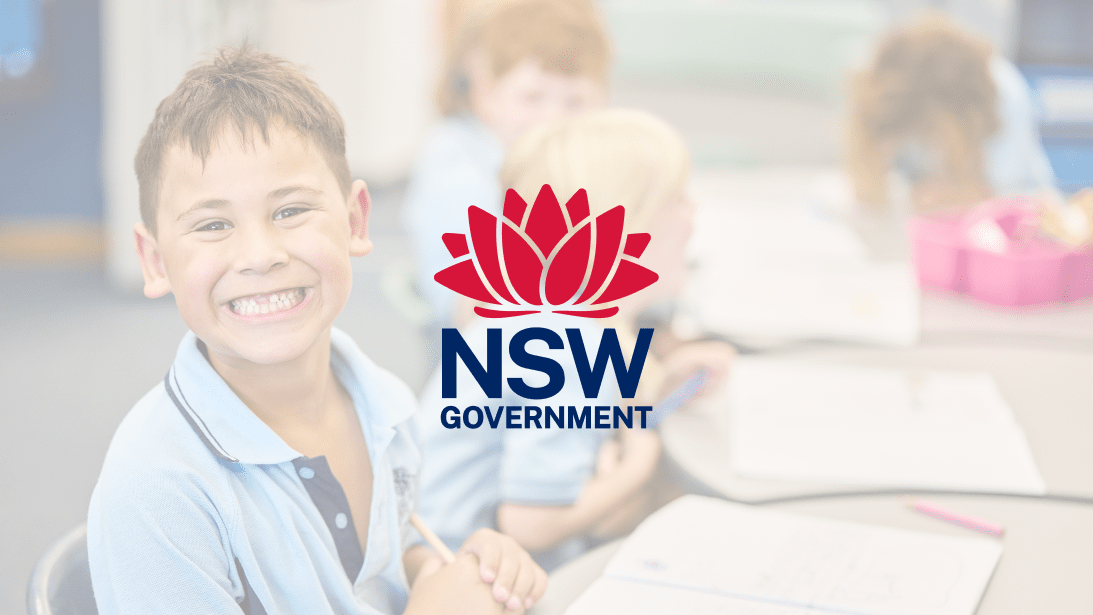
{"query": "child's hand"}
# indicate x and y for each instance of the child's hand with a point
(687, 359)
(451, 589)
(518, 582)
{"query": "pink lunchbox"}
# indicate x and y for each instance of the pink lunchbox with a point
(995, 254)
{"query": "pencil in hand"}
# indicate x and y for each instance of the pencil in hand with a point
(434, 541)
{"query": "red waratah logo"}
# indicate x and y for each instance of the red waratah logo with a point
(546, 258)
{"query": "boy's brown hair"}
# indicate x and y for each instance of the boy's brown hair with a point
(930, 83)
(247, 90)
(567, 36)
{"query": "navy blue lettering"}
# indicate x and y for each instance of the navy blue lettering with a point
(494, 420)
(558, 418)
(450, 422)
(531, 415)
(592, 374)
(641, 409)
(512, 417)
(453, 347)
(627, 417)
(584, 419)
(467, 417)
(603, 412)
(523, 358)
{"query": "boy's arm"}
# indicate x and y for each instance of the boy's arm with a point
(622, 473)
(158, 546)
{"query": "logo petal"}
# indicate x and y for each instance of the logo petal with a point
(463, 278)
(629, 278)
(608, 238)
(577, 207)
(636, 244)
(568, 266)
(484, 237)
(522, 264)
(546, 223)
(456, 244)
(536, 259)
(488, 313)
(514, 207)
(601, 313)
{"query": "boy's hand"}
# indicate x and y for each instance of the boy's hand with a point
(518, 582)
(687, 359)
(451, 589)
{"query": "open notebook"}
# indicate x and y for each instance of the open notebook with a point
(701, 556)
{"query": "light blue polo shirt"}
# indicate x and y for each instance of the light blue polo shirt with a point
(202, 508)
(467, 473)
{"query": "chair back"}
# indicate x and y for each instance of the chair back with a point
(61, 581)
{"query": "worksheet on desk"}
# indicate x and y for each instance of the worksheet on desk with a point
(708, 556)
(876, 426)
(788, 274)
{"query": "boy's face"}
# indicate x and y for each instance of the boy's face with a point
(255, 245)
(527, 95)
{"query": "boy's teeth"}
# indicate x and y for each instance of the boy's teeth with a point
(272, 303)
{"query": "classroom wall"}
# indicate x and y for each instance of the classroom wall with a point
(49, 135)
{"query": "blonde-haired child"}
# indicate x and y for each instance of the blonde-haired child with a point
(939, 107)
(557, 490)
(509, 64)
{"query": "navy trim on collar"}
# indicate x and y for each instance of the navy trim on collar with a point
(194, 419)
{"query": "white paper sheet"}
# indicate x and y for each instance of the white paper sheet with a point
(711, 556)
(872, 426)
(608, 595)
(790, 274)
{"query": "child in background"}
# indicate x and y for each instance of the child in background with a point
(273, 469)
(955, 119)
(558, 490)
(510, 64)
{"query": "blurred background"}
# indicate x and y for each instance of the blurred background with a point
(752, 85)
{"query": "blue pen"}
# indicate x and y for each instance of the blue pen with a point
(677, 398)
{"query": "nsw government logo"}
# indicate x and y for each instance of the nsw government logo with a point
(545, 259)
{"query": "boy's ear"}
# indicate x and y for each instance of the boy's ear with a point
(360, 205)
(156, 283)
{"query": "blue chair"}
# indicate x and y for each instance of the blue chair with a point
(61, 581)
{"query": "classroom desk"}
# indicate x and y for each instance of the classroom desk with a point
(1046, 564)
(947, 316)
(1049, 389)
(942, 315)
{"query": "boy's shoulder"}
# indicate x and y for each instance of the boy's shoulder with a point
(155, 447)
(192, 427)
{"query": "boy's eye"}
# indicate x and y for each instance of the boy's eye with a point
(216, 225)
(288, 212)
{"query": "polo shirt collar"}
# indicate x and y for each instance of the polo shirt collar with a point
(232, 432)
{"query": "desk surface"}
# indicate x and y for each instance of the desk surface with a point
(959, 317)
(1046, 564)
(1049, 389)
(942, 315)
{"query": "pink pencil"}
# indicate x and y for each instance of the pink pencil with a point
(944, 514)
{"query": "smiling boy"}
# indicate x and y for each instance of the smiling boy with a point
(273, 470)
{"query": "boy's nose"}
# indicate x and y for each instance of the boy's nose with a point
(260, 250)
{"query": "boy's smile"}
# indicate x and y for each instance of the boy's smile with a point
(255, 245)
